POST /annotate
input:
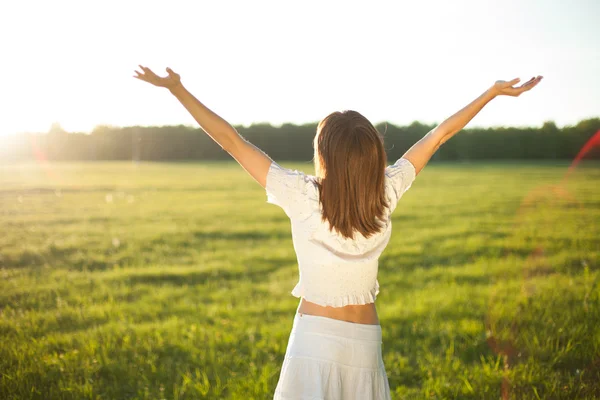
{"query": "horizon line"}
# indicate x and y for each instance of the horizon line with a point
(279, 125)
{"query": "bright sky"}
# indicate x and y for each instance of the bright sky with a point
(72, 62)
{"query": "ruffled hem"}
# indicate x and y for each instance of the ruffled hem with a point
(337, 301)
(309, 379)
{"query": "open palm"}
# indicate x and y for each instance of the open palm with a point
(170, 81)
(507, 89)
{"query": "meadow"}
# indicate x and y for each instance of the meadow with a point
(172, 281)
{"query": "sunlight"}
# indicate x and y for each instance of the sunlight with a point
(406, 62)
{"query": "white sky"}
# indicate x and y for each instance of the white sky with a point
(256, 61)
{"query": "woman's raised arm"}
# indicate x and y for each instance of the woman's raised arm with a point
(250, 157)
(422, 151)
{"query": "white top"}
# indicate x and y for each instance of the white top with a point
(334, 271)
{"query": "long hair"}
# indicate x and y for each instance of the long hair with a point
(350, 163)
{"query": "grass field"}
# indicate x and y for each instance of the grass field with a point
(152, 281)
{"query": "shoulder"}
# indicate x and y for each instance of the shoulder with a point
(281, 178)
(293, 190)
(401, 168)
(398, 178)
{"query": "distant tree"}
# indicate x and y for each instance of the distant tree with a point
(549, 127)
(295, 142)
(56, 129)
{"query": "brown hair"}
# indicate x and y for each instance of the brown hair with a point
(350, 163)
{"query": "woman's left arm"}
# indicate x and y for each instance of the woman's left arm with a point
(250, 157)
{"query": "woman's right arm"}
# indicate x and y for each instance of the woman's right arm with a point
(251, 158)
(422, 151)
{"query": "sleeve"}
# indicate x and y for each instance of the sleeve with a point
(400, 176)
(286, 188)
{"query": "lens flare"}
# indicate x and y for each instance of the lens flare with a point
(535, 264)
(41, 159)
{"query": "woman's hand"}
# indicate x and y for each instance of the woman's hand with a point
(507, 89)
(171, 81)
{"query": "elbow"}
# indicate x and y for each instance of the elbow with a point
(227, 146)
(443, 140)
(229, 143)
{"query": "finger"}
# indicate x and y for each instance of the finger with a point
(528, 82)
(172, 73)
(139, 73)
(147, 70)
(522, 89)
(532, 82)
(512, 82)
(524, 86)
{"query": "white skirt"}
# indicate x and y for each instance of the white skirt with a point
(330, 359)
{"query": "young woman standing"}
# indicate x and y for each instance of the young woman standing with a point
(341, 223)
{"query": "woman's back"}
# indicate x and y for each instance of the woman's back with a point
(338, 275)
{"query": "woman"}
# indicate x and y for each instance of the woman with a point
(341, 223)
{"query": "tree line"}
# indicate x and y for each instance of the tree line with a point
(292, 142)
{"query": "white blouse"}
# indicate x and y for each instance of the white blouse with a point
(334, 271)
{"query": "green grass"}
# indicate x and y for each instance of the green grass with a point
(151, 281)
